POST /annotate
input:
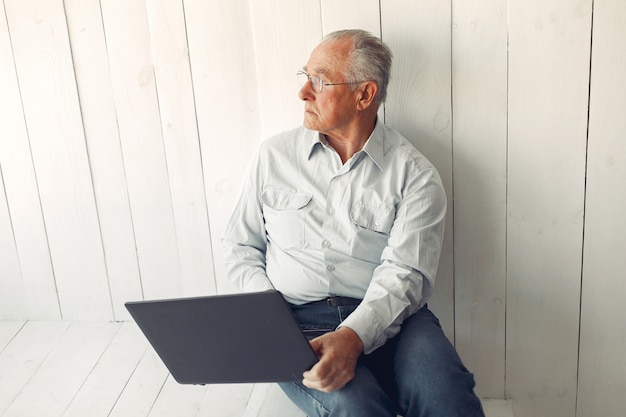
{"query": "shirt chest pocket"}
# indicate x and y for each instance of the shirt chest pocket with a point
(285, 216)
(378, 218)
(373, 224)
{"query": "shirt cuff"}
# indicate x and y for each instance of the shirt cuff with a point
(369, 327)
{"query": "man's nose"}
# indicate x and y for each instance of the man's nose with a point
(306, 91)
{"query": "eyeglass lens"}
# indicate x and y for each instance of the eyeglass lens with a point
(316, 82)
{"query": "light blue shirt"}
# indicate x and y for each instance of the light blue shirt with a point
(309, 226)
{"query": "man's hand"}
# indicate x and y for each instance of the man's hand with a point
(338, 352)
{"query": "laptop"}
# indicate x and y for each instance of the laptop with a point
(235, 338)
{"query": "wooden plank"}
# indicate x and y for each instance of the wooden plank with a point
(134, 90)
(226, 106)
(22, 357)
(177, 399)
(225, 400)
(498, 408)
(73, 358)
(104, 385)
(351, 14)
(479, 77)
(48, 88)
(11, 286)
(95, 90)
(419, 106)
(603, 329)
(268, 400)
(142, 388)
(37, 296)
(284, 36)
(546, 168)
(182, 148)
(8, 330)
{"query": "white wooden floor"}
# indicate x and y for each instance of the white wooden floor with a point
(75, 369)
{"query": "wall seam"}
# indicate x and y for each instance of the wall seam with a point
(582, 256)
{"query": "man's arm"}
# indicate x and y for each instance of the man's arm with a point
(244, 242)
(403, 282)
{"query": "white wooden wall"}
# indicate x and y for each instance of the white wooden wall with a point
(126, 125)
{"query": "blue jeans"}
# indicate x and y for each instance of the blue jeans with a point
(417, 373)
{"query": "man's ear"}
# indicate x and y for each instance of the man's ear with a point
(366, 94)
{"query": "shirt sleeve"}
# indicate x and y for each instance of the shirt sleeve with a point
(403, 282)
(243, 243)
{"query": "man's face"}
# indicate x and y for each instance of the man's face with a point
(331, 111)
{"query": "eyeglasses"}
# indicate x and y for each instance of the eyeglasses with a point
(316, 82)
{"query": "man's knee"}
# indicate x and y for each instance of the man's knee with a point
(362, 396)
(429, 372)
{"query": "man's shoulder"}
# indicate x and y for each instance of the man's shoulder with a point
(288, 137)
(288, 143)
(397, 146)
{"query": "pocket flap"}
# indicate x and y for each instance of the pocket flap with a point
(377, 218)
(280, 199)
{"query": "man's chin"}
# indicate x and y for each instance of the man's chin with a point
(308, 123)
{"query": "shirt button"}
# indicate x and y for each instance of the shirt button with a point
(326, 244)
(330, 268)
(331, 211)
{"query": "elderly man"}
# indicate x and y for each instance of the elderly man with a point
(345, 218)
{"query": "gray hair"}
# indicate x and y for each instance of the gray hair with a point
(369, 59)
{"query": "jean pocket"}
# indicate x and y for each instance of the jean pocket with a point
(313, 331)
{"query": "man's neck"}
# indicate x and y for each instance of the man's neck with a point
(352, 140)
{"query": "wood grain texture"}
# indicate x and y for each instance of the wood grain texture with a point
(12, 291)
(73, 357)
(100, 391)
(8, 330)
(351, 14)
(169, 50)
(601, 382)
(283, 42)
(479, 77)
(141, 137)
(55, 133)
(142, 388)
(268, 400)
(420, 107)
(546, 179)
(221, 52)
(22, 357)
(93, 80)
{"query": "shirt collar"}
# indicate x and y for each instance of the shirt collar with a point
(374, 147)
(315, 140)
